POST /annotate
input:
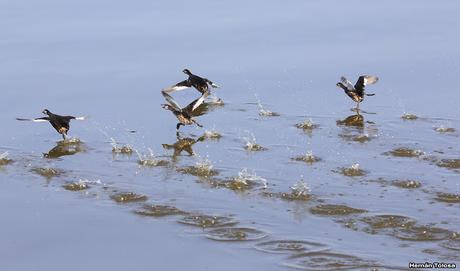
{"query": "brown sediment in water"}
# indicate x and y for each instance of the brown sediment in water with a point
(308, 158)
(404, 152)
(335, 210)
(377, 223)
(158, 210)
(448, 197)
(409, 184)
(153, 163)
(126, 197)
(292, 196)
(409, 117)
(254, 147)
(325, 261)
(307, 125)
(236, 184)
(361, 138)
(199, 171)
(76, 186)
(289, 246)
(353, 171)
(423, 233)
(47, 173)
(126, 149)
(5, 161)
(267, 113)
(207, 221)
(235, 234)
(444, 130)
(449, 163)
(453, 244)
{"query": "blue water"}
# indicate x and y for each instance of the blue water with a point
(108, 60)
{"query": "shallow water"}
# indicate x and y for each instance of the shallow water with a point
(99, 207)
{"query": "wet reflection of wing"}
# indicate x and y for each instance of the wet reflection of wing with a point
(346, 83)
(171, 101)
(363, 81)
(195, 104)
(35, 120)
(179, 86)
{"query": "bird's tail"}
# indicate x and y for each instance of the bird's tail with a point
(370, 94)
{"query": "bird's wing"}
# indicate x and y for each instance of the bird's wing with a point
(363, 81)
(211, 83)
(179, 86)
(346, 83)
(171, 101)
(195, 104)
(43, 119)
(74, 118)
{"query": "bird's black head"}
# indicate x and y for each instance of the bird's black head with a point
(46, 112)
(340, 85)
(187, 71)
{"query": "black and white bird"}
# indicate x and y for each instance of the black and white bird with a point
(357, 92)
(60, 123)
(199, 83)
(184, 115)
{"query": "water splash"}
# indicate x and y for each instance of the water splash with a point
(150, 160)
(4, 159)
(204, 166)
(4, 155)
(250, 178)
(251, 144)
(71, 141)
(81, 184)
(265, 112)
(123, 149)
(355, 167)
(300, 189)
(409, 116)
(87, 181)
(353, 171)
(308, 157)
(212, 134)
(216, 100)
(307, 124)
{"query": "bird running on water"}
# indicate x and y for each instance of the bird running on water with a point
(357, 92)
(185, 114)
(199, 83)
(60, 123)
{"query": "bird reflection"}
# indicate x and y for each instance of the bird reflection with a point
(182, 144)
(356, 120)
(64, 148)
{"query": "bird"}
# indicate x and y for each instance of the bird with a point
(199, 83)
(357, 92)
(60, 123)
(185, 114)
